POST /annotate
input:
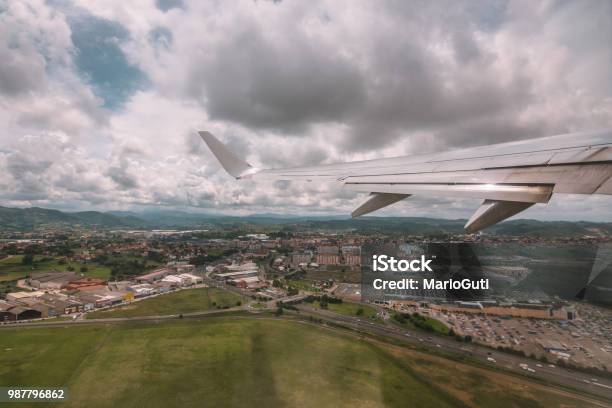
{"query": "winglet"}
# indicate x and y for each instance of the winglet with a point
(233, 164)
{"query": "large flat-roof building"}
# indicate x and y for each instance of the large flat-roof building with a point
(153, 276)
(17, 296)
(51, 280)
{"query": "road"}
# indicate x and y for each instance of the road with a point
(51, 323)
(557, 375)
(591, 384)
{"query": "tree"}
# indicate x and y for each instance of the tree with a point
(199, 260)
(28, 259)
(33, 249)
(101, 259)
(279, 311)
(155, 257)
(359, 311)
(64, 250)
(121, 269)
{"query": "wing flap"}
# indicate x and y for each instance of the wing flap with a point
(491, 212)
(376, 202)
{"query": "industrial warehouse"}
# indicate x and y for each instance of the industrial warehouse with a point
(53, 293)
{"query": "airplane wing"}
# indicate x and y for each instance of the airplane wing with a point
(509, 177)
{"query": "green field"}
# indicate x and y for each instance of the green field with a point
(12, 269)
(93, 270)
(245, 362)
(302, 284)
(347, 308)
(335, 272)
(183, 301)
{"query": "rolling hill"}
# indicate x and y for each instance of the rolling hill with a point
(26, 219)
(35, 217)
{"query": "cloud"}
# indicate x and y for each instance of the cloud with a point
(100, 101)
(20, 72)
(123, 179)
(47, 167)
(40, 91)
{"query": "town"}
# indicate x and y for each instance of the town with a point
(70, 273)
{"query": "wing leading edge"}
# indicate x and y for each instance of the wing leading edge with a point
(509, 177)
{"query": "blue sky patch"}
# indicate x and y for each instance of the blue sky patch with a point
(100, 59)
(165, 5)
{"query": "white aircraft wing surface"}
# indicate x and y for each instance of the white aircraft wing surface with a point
(509, 177)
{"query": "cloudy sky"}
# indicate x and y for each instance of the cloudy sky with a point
(100, 101)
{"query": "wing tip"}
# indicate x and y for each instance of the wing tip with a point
(232, 163)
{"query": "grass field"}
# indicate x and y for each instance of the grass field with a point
(93, 270)
(183, 301)
(11, 268)
(349, 309)
(245, 362)
(302, 284)
(335, 272)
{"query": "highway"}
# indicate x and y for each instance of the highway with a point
(591, 384)
(573, 379)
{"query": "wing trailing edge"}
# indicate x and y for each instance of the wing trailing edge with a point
(489, 191)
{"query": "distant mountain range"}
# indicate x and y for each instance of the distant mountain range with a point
(27, 219)
(36, 217)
